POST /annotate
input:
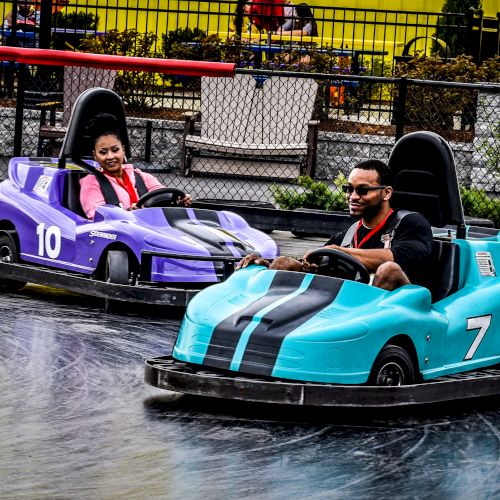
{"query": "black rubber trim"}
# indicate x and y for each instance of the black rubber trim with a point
(166, 373)
(88, 286)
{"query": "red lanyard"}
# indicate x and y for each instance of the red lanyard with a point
(127, 185)
(371, 233)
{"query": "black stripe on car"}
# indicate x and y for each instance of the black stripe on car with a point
(227, 333)
(265, 342)
(204, 226)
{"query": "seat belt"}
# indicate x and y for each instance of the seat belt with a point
(392, 226)
(108, 192)
(140, 185)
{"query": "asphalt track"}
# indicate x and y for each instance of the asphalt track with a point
(77, 421)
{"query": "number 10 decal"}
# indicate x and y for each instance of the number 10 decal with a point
(479, 322)
(49, 240)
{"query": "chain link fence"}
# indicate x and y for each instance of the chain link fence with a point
(265, 138)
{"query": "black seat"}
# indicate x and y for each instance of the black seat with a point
(425, 178)
(71, 192)
(425, 181)
(444, 276)
(77, 144)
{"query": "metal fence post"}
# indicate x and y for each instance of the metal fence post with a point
(400, 107)
(147, 145)
(473, 49)
(498, 33)
(45, 21)
(18, 126)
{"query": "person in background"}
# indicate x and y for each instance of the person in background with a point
(109, 153)
(24, 28)
(267, 15)
(300, 23)
(248, 23)
(27, 17)
(288, 16)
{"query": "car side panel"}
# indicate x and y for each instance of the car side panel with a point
(330, 331)
(473, 337)
(46, 234)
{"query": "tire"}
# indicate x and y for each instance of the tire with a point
(117, 271)
(392, 367)
(9, 254)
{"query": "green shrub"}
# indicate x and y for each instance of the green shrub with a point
(312, 194)
(75, 20)
(196, 45)
(433, 108)
(71, 21)
(133, 86)
(455, 40)
(477, 203)
(179, 36)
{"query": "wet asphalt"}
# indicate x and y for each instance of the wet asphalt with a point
(77, 421)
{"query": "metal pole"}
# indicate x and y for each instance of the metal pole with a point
(147, 146)
(239, 17)
(18, 127)
(45, 23)
(400, 110)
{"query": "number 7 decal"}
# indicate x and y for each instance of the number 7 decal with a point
(479, 322)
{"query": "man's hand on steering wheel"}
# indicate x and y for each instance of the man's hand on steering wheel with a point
(252, 258)
(332, 261)
(309, 267)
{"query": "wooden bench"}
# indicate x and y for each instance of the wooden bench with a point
(253, 126)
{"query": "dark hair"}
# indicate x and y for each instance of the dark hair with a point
(303, 10)
(382, 169)
(102, 124)
(304, 16)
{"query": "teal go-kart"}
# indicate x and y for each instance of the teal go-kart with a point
(304, 339)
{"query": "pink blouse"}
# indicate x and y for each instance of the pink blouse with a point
(91, 195)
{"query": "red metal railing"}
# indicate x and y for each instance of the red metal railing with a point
(66, 58)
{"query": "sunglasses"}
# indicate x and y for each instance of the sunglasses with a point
(361, 190)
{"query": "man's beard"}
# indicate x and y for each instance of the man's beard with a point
(371, 211)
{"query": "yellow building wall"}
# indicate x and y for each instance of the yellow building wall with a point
(215, 17)
(490, 7)
(160, 16)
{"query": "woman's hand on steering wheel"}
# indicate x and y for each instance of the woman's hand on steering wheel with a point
(186, 201)
(164, 197)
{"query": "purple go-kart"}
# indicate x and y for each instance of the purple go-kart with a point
(159, 254)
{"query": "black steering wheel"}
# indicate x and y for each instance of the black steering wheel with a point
(163, 197)
(339, 264)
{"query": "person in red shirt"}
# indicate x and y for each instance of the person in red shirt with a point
(109, 153)
(267, 14)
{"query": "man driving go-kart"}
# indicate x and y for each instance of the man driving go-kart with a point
(327, 339)
(394, 245)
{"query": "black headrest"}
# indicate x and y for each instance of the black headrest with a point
(77, 144)
(425, 178)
